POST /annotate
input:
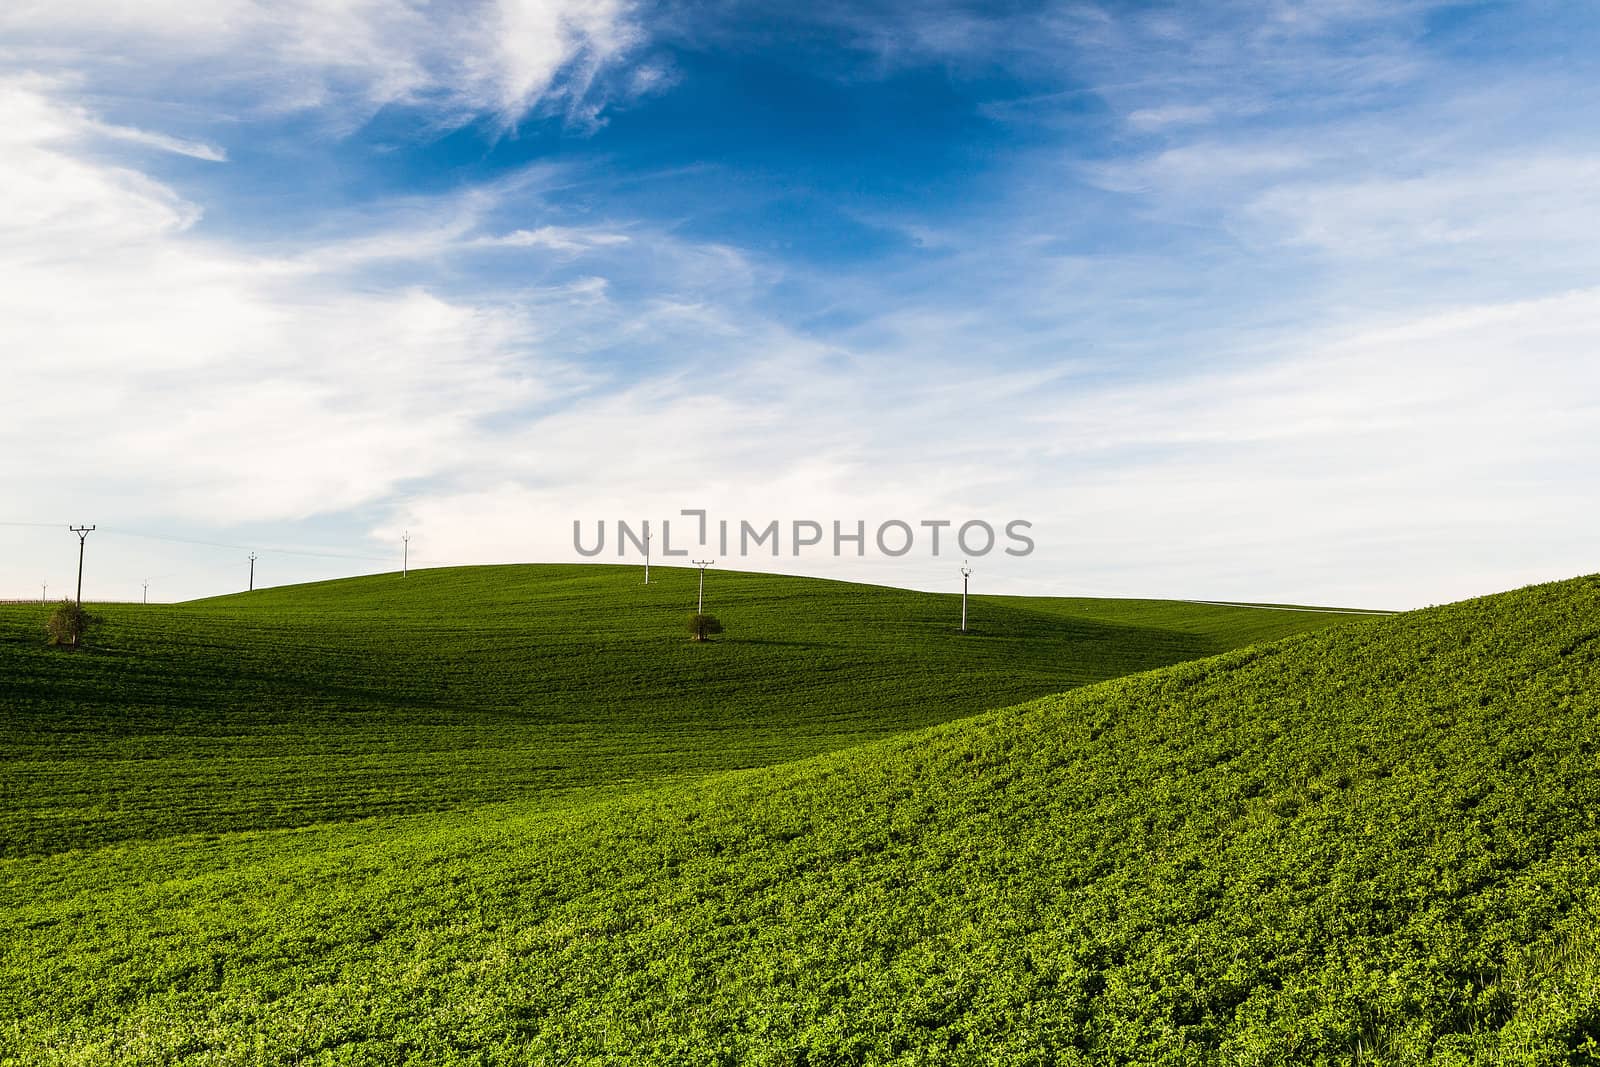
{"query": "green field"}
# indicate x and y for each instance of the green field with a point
(454, 687)
(1374, 843)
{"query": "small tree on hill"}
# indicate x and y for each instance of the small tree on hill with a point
(703, 626)
(69, 623)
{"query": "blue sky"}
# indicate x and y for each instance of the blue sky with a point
(1290, 301)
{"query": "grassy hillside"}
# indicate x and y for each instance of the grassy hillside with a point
(1373, 844)
(1201, 620)
(377, 696)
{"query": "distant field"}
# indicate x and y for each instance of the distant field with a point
(453, 687)
(1374, 844)
(1225, 626)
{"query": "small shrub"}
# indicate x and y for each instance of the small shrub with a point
(704, 626)
(69, 623)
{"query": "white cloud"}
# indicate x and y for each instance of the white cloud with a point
(533, 39)
(177, 376)
(36, 117)
(177, 145)
(1545, 200)
(501, 57)
(555, 238)
(1390, 465)
(1202, 168)
(1169, 116)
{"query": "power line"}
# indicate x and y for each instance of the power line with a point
(276, 550)
(269, 550)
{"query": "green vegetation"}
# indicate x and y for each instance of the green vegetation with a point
(703, 626)
(377, 696)
(69, 623)
(1374, 843)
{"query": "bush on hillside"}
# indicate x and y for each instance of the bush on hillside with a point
(69, 623)
(702, 627)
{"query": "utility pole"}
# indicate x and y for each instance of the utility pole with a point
(700, 608)
(252, 572)
(646, 551)
(405, 553)
(83, 535)
(966, 572)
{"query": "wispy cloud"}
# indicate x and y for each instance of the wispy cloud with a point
(1500, 205)
(555, 238)
(1170, 115)
(214, 378)
(495, 57)
(163, 142)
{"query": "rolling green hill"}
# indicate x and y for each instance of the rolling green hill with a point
(377, 696)
(1374, 843)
